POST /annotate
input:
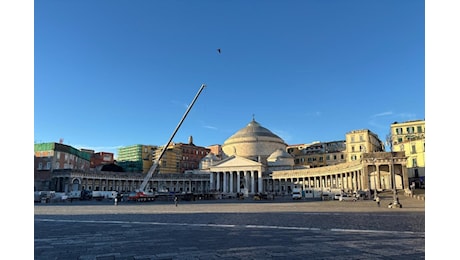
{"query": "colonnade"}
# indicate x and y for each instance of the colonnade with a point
(73, 181)
(282, 182)
(249, 181)
(370, 173)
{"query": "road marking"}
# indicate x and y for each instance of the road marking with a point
(230, 226)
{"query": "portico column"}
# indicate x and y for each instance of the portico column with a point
(351, 180)
(247, 182)
(238, 188)
(211, 180)
(355, 180)
(252, 181)
(260, 187)
(224, 177)
(392, 171)
(217, 181)
(231, 182)
(405, 178)
(359, 180)
(347, 180)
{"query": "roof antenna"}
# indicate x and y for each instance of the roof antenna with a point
(253, 117)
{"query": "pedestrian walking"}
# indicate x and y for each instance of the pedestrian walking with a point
(377, 199)
(175, 200)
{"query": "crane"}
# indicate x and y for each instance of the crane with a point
(141, 191)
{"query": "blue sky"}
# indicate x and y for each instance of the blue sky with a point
(117, 73)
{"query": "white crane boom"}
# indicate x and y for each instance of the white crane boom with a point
(157, 161)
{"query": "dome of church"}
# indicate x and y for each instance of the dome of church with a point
(209, 160)
(280, 158)
(278, 154)
(254, 142)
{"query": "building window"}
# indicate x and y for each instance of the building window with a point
(413, 150)
(48, 165)
(352, 149)
(40, 166)
(361, 138)
(419, 129)
(414, 162)
(410, 130)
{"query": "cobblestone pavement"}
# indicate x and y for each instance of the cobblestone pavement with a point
(230, 229)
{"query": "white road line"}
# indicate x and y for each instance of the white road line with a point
(230, 226)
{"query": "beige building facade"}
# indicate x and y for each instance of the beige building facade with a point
(409, 137)
(318, 154)
(362, 141)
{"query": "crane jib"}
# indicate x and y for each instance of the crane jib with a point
(157, 161)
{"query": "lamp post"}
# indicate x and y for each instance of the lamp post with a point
(395, 203)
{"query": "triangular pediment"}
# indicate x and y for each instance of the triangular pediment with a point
(236, 161)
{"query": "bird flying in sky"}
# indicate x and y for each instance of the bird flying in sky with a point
(218, 50)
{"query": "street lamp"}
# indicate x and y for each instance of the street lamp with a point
(395, 203)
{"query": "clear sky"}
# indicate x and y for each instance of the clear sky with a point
(119, 73)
